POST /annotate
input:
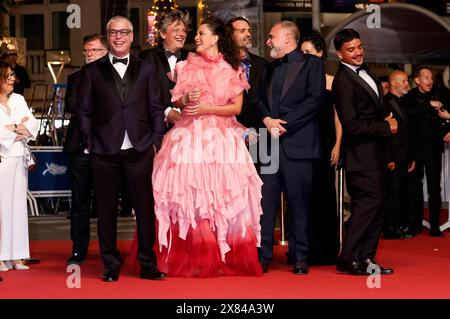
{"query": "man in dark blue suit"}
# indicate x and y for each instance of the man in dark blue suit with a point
(288, 100)
(122, 125)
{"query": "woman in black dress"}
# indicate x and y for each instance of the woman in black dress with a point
(323, 227)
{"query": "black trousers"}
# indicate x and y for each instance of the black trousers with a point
(431, 165)
(137, 169)
(82, 187)
(396, 190)
(367, 192)
(294, 177)
(323, 221)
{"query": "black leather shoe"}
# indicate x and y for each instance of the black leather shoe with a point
(373, 268)
(393, 233)
(301, 268)
(76, 259)
(351, 267)
(152, 273)
(436, 232)
(111, 275)
(265, 268)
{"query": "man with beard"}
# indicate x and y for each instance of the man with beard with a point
(288, 100)
(358, 98)
(252, 65)
(399, 158)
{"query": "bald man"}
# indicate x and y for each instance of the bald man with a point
(399, 158)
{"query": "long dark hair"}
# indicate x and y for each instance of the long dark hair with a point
(225, 43)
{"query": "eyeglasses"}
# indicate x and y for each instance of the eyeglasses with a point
(94, 50)
(123, 32)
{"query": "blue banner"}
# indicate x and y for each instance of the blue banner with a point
(51, 173)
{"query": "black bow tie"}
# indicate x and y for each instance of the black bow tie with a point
(362, 67)
(169, 54)
(116, 60)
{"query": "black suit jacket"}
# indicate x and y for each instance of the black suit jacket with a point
(398, 143)
(361, 113)
(73, 142)
(157, 58)
(104, 115)
(301, 99)
(248, 116)
(427, 128)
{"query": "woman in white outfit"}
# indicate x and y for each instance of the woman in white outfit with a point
(17, 127)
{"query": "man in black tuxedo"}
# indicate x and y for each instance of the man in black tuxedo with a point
(94, 47)
(252, 65)
(172, 35)
(122, 125)
(400, 162)
(427, 144)
(358, 98)
(288, 100)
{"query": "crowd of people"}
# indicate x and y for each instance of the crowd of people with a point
(173, 130)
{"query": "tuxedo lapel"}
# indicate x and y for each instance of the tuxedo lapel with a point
(294, 70)
(163, 60)
(379, 86)
(133, 68)
(376, 98)
(398, 109)
(252, 72)
(268, 83)
(106, 70)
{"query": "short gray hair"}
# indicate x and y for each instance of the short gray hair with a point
(119, 18)
(292, 28)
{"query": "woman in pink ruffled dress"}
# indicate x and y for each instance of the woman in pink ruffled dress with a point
(207, 191)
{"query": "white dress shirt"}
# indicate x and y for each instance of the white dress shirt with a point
(365, 76)
(172, 61)
(121, 69)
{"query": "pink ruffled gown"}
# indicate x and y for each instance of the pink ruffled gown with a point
(206, 188)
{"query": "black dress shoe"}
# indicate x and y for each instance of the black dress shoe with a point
(436, 232)
(76, 259)
(111, 275)
(152, 273)
(265, 268)
(393, 233)
(301, 268)
(351, 267)
(373, 268)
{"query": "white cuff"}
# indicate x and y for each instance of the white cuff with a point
(167, 111)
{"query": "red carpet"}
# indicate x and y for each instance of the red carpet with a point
(422, 270)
